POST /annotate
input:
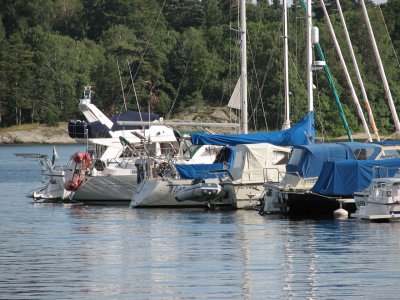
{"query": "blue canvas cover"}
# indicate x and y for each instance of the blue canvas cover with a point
(193, 171)
(296, 135)
(308, 160)
(348, 176)
(389, 142)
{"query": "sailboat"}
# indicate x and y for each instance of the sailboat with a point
(321, 179)
(260, 157)
(106, 173)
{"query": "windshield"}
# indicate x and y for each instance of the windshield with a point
(190, 151)
(295, 156)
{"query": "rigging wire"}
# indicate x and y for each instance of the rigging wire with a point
(183, 75)
(134, 90)
(133, 78)
(390, 38)
(148, 41)
(122, 87)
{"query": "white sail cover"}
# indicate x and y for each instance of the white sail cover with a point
(234, 102)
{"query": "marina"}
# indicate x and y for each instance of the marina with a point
(159, 188)
(68, 251)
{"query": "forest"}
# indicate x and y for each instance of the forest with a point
(175, 56)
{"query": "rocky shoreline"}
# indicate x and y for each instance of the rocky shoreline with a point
(40, 135)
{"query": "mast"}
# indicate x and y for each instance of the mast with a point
(330, 80)
(243, 76)
(286, 123)
(346, 72)
(381, 70)
(309, 59)
(360, 81)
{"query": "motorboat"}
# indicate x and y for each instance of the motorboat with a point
(319, 177)
(380, 201)
(53, 178)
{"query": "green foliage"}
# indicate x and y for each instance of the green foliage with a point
(180, 55)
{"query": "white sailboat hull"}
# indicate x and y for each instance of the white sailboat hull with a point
(162, 192)
(243, 195)
(106, 190)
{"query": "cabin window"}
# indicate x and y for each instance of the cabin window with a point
(363, 154)
(281, 158)
(295, 156)
(391, 153)
(191, 151)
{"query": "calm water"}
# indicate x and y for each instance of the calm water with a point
(52, 251)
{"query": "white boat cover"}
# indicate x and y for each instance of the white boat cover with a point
(252, 160)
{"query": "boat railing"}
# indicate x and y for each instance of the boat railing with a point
(222, 171)
(293, 180)
(273, 175)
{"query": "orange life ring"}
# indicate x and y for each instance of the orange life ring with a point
(82, 163)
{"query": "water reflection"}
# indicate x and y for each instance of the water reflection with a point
(53, 251)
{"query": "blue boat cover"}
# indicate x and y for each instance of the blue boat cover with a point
(307, 160)
(302, 133)
(194, 171)
(96, 128)
(389, 142)
(348, 176)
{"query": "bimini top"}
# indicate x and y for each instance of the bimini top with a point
(348, 176)
(296, 135)
(307, 160)
(223, 161)
(97, 129)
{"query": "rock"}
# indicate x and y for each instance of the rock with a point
(40, 135)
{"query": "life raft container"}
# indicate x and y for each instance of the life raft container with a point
(80, 164)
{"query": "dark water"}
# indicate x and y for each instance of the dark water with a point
(78, 252)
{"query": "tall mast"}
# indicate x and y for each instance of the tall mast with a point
(381, 70)
(360, 81)
(243, 76)
(309, 58)
(330, 80)
(286, 123)
(346, 72)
